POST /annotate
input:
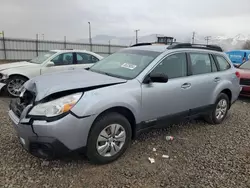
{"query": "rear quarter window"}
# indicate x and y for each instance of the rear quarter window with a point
(222, 62)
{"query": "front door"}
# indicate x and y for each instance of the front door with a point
(169, 99)
(62, 62)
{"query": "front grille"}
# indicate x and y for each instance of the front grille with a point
(244, 81)
(17, 105)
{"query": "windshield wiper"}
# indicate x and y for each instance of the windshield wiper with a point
(108, 74)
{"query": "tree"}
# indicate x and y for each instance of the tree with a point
(246, 46)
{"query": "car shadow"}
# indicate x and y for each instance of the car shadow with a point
(244, 99)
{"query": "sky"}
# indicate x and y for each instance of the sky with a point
(58, 18)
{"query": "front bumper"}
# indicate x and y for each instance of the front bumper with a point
(52, 139)
(2, 85)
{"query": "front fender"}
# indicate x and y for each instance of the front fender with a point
(97, 101)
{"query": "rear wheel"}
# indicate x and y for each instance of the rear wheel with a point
(109, 138)
(14, 85)
(220, 110)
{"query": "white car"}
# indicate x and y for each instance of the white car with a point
(14, 75)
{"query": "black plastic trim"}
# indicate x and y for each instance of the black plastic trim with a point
(57, 148)
(165, 121)
(79, 117)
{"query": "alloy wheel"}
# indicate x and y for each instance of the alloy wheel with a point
(111, 140)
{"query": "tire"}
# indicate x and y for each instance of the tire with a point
(212, 117)
(19, 80)
(106, 121)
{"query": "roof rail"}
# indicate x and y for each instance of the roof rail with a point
(197, 46)
(142, 44)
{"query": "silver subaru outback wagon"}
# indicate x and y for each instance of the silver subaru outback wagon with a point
(101, 109)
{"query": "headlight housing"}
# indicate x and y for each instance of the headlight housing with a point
(3, 76)
(56, 107)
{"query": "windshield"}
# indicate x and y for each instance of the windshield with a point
(41, 58)
(245, 65)
(125, 64)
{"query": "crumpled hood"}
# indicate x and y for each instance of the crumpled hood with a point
(48, 84)
(15, 65)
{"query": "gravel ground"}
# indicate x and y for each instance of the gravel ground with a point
(201, 155)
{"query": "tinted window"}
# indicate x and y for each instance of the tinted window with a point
(201, 63)
(63, 59)
(83, 58)
(174, 66)
(223, 64)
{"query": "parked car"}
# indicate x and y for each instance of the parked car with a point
(138, 88)
(244, 70)
(239, 56)
(14, 75)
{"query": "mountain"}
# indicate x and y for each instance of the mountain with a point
(124, 41)
(226, 42)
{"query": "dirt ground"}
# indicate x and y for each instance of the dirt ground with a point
(200, 155)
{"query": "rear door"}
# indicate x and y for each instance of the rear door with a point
(62, 62)
(84, 60)
(204, 79)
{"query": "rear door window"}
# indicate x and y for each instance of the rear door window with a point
(201, 63)
(84, 58)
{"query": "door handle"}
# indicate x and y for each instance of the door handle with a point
(71, 68)
(217, 79)
(186, 86)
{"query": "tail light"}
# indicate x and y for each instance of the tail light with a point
(237, 74)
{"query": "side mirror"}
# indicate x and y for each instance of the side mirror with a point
(50, 64)
(156, 77)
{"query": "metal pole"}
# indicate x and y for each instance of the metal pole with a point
(90, 39)
(4, 48)
(207, 38)
(109, 48)
(136, 35)
(65, 43)
(193, 37)
(36, 44)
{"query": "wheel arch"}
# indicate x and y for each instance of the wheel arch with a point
(126, 112)
(20, 75)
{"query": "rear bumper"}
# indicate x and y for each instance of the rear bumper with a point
(245, 91)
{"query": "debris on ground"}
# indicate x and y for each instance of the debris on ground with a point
(165, 156)
(169, 138)
(45, 163)
(154, 149)
(151, 160)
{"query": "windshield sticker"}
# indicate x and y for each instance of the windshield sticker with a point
(128, 66)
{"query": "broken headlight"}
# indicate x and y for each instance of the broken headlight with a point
(56, 107)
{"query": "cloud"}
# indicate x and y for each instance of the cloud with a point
(58, 18)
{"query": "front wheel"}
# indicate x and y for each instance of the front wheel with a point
(14, 85)
(220, 110)
(109, 138)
